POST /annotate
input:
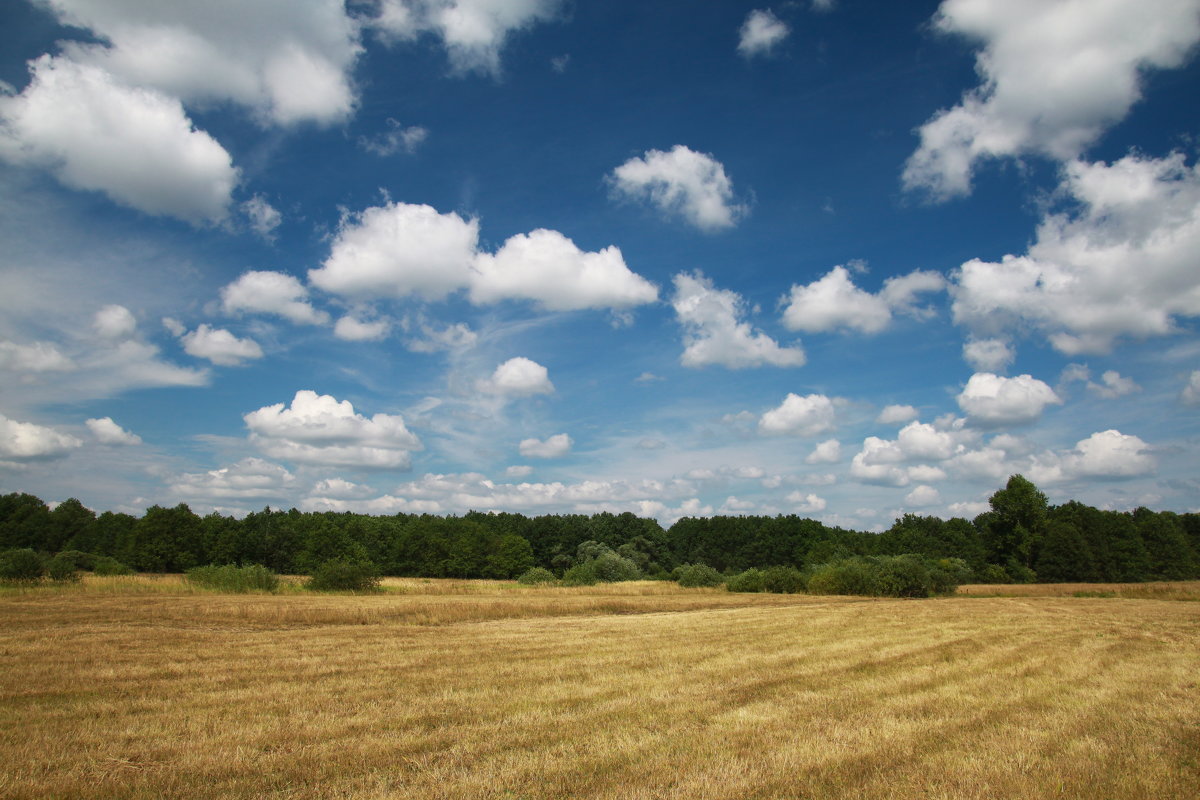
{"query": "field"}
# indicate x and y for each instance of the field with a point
(147, 688)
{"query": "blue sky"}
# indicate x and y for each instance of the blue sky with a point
(841, 259)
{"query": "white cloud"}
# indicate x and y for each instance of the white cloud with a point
(458, 336)
(801, 416)
(341, 489)
(895, 414)
(555, 446)
(353, 329)
(827, 452)
(319, 429)
(398, 250)
(919, 441)
(759, 34)
(518, 471)
(472, 31)
(923, 495)
(1054, 76)
(108, 432)
(26, 441)
(289, 60)
(993, 399)
(36, 357)
(988, 355)
(833, 302)
(713, 333)
(1112, 385)
(268, 292)
(135, 145)
(806, 503)
(220, 346)
(681, 183)
(1191, 392)
(395, 139)
(1107, 454)
(250, 478)
(1121, 263)
(114, 322)
(823, 5)
(518, 377)
(547, 267)
(264, 218)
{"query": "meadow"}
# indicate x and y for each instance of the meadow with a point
(148, 687)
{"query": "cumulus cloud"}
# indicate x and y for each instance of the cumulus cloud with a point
(36, 357)
(554, 446)
(341, 488)
(894, 414)
(681, 183)
(395, 139)
(114, 322)
(759, 34)
(265, 292)
(715, 334)
(988, 355)
(397, 250)
(288, 60)
(547, 267)
(923, 495)
(220, 346)
(827, 452)
(518, 471)
(319, 429)
(353, 329)
(518, 377)
(26, 441)
(135, 145)
(1113, 384)
(108, 432)
(806, 503)
(800, 416)
(1119, 263)
(1105, 455)
(1191, 392)
(833, 302)
(473, 31)
(264, 218)
(1054, 77)
(996, 400)
(250, 478)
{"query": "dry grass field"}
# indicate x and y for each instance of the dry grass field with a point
(147, 688)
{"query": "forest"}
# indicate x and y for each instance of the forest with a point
(1020, 539)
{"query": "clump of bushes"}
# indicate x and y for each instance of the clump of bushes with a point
(344, 575)
(581, 574)
(105, 565)
(20, 566)
(749, 581)
(62, 568)
(232, 578)
(599, 563)
(780, 580)
(535, 576)
(693, 575)
(907, 575)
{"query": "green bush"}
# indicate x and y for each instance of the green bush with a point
(581, 575)
(62, 568)
(693, 575)
(612, 568)
(20, 566)
(904, 576)
(908, 575)
(848, 576)
(81, 560)
(536, 575)
(783, 580)
(342, 575)
(749, 581)
(994, 573)
(104, 565)
(231, 578)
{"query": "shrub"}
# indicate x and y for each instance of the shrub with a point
(581, 575)
(80, 560)
(342, 575)
(749, 581)
(104, 565)
(20, 566)
(994, 573)
(536, 575)
(612, 568)
(783, 580)
(693, 575)
(231, 578)
(904, 576)
(848, 576)
(62, 568)
(908, 575)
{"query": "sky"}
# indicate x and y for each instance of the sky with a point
(847, 259)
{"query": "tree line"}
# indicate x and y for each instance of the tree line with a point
(1021, 538)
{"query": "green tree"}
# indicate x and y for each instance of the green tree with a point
(1064, 555)
(1015, 526)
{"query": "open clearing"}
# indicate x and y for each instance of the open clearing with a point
(147, 688)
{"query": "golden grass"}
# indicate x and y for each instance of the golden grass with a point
(1158, 590)
(452, 689)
